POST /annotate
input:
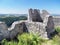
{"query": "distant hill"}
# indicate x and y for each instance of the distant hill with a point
(12, 15)
(9, 20)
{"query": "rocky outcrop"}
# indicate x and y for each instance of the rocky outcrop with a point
(4, 33)
(47, 26)
(17, 27)
(34, 24)
(50, 26)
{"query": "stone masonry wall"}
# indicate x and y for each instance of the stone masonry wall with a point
(34, 24)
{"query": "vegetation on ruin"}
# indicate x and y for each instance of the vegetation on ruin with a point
(31, 39)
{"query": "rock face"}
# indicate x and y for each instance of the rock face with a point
(17, 27)
(4, 33)
(50, 26)
(36, 28)
(35, 24)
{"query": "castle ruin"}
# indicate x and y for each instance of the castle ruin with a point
(37, 23)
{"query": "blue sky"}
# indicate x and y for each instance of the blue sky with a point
(22, 6)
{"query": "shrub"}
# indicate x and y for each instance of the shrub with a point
(25, 39)
(5, 42)
(57, 29)
(56, 40)
(29, 39)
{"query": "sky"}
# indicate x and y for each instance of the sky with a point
(22, 6)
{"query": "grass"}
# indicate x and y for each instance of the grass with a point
(25, 39)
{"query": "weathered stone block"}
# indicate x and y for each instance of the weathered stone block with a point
(34, 15)
(50, 25)
(4, 33)
(44, 14)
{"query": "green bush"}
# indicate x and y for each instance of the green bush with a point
(5, 42)
(25, 39)
(29, 39)
(57, 29)
(56, 40)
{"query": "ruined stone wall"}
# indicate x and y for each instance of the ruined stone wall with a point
(47, 24)
(34, 15)
(43, 14)
(35, 24)
(36, 28)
